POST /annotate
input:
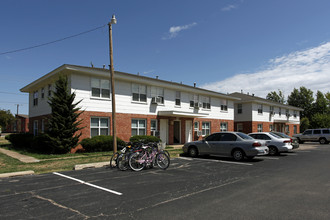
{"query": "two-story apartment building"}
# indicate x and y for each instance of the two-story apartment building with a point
(255, 114)
(175, 112)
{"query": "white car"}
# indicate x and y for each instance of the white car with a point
(275, 143)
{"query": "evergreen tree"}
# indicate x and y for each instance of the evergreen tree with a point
(5, 119)
(63, 124)
(276, 97)
(302, 98)
(321, 103)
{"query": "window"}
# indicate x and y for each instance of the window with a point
(178, 98)
(153, 127)
(194, 101)
(206, 102)
(42, 93)
(138, 127)
(287, 113)
(317, 132)
(270, 127)
(49, 90)
(259, 109)
(43, 125)
(295, 129)
(139, 93)
(196, 126)
(280, 111)
(228, 137)
(157, 94)
(101, 88)
(240, 127)
(35, 98)
(35, 128)
(206, 128)
(287, 129)
(295, 114)
(223, 105)
(325, 131)
(99, 126)
(271, 110)
(307, 132)
(259, 127)
(223, 126)
(239, 108)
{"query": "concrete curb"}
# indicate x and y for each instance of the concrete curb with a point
(90, 165)
(21, 173)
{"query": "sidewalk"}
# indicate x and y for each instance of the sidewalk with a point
(21, 157)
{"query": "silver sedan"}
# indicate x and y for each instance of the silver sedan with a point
(233, 144)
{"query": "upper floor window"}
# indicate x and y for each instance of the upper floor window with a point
(100, 88)
(287, 112)
(35, 98)
(139, 92)
(194, 101)
(295, 114)
(279, 111)
(223, 105)
(157, 95)
(271, 110)
(239, 108)
(49, 90)
(42, 92)
(178, 98)
(206, 102)
(260, 109)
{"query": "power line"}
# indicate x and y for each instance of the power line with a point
(11, 93)
(51, 42)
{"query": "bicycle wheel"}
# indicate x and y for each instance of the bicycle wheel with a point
(122, 162)
(162, 161)
(114, 160)
(167, 153)
(136, 161)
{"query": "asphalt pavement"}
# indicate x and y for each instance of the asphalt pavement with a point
(290, 186)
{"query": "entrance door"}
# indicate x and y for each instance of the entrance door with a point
(177, 136)
(188, 131)
(163, 133)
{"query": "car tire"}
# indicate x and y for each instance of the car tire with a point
(300, 141)
(273, 150)
(238, 155)
(193, 152)
(323, 141)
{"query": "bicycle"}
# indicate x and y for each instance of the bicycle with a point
(147, 157)
(122, 160)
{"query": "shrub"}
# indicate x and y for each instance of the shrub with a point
(41, 144)
(20, 140)
(100, 143)
(144, 139)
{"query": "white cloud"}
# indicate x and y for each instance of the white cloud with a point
(309, 68)
(228, 8)
(174, 30)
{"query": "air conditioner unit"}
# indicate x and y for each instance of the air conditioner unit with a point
(156, 100)
(288, 115)
(198, 105)
(272, 113)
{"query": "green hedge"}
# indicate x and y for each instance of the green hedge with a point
(144, 139)
(21, 140)
(100, 143)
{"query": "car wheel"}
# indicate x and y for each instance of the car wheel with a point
(238, 155)
(273, 150)
(193, 152)
(300, 141)
(323, 141)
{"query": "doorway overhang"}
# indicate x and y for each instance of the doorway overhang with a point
(182, 114)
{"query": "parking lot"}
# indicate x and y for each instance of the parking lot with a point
(294, 185)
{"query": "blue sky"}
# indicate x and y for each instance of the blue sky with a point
(256, 46)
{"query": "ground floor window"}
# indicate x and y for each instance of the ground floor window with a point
(295, 129)
(287, 129)
(138, 127)
(99, 126)
(153, 127)
(206, 128)
(270, 127)
(240, 127)
(223, 126)
(35, 128)
(259, 127)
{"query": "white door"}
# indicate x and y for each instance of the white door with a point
(163, 133)
(188, 131)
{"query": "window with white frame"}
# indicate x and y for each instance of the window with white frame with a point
(295, 114)
(223, 126)
(35, 98)
(280, 111)
(99, 126)
(101, 88)
(157, 94)
(42, 92)
(153, 127)
(239, 108)
(240, 127)
(206, 102)
(295, 129)
(138, 127)
(223, 105)
(270, 127)
(196, 126)
(49, 90)
(206, 128)
(259, 127)
(35, 128)
(194, 101)
(287, 129)
(260, 110)
(139, 93)
(287, 113)
(271, 110)
(178, 98)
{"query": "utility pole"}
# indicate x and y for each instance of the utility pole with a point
(16, 118)
(112, 76)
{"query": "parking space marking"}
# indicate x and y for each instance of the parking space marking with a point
(89, 184)
(305, 151)
(216, 161)
(268, 158)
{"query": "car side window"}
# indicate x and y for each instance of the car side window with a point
(317, 131)
(264, 137)
(326, 131)
(307, 132)
(254, 136)
(228, 137)
(213, 137)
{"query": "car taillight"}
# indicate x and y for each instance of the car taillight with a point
(287, 141)
(256, 144)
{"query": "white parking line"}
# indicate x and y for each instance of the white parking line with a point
(216, 161)
(89, 184)
(268, 158)
(305, 151)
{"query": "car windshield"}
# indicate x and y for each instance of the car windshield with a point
(274, 135)
(244, 136)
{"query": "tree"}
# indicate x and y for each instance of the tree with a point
(276, 97)
(321, 104)
(5, 118)
(302, 98)
(304, 124)
(63, 128)
(320, 121)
